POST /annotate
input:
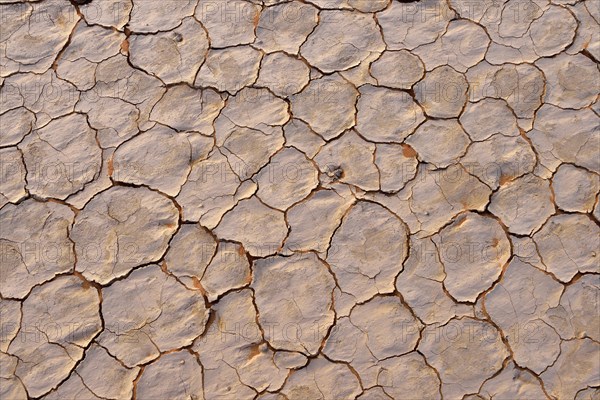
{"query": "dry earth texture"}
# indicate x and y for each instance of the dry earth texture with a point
(300, 199)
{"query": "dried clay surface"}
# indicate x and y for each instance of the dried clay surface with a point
(299, 200)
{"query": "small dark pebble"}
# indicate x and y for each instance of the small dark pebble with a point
(80, 2)
(336, 172)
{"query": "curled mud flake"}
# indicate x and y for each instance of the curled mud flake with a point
(465, 353)
(138, 328)
(566, 136)
(290, 359)
(322, 376)
(150, 157)
(228, 22)
(121, 228)
(175, 375)
(173, 56)
(60, 319)
(421, 285)
(234, 344)
(386, 115)
(335, 172)
(381, 329)
(562, 380)
(488, 117)
(368, 6)
(190, 251)
(104, 375)
(524, 204)
(349, 159)
(518, 305)
(366, 260)
(473, 250)
(511, 383)
(327, 105)
(14, 125)
(108, 13)
(89, 46)
(575, 189)
(12, 176)
(575, 316)
(294, 293)
(283, 74)
(34, 245)
(314, 220)
(259, 228)
(568, 244)
(61, 158)
(572, 81)
(230, 69)
(434, 197)
(398, 69)
(288, 178)
(150, 16)
(440, 143)
(228, 270)
(186, 109)
(410, 25)
(442, 93)
(284, 27)
(36, 35)
(499, 159)
(342, 40)
(463, 45)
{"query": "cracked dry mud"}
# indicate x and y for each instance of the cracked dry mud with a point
(300, 199)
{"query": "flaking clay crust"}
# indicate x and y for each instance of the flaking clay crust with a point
(300, 200)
